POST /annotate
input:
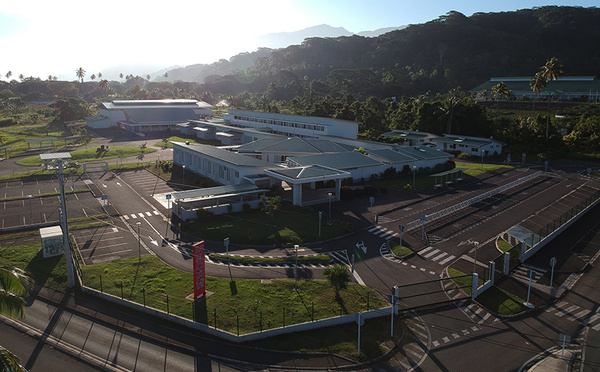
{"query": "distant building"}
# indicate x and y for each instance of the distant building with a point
(475, 146)
(410, 137)
(565, 88)
(143, 116)
(292, 125)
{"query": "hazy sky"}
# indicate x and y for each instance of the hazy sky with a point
(41, 37)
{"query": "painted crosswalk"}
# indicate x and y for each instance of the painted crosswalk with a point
(436, 255)
(134, 216)
(384, 251)
(337, 257)
(575, 313)
(383, 232)
(522, 271)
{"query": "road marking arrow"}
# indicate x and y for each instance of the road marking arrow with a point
(153, 241)
(118, 183)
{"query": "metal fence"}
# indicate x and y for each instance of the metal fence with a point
(464, 204)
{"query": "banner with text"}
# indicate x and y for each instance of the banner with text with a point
(199, 272)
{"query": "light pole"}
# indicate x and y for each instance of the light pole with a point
(296, 268)
(330, 195)
(475, 260)
(481, 159)
(414, 172)
(139, 241)
(183, 167)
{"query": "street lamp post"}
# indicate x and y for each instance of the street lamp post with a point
(330, 195)
(475, 260)
(183, 167)
(139, 241)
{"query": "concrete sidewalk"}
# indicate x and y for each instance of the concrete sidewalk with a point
(556, 362)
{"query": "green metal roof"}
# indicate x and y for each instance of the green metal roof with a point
(341, 160)
(224, 155)
(424, 152)
(292, 145)
(308, 173)
(392, 156)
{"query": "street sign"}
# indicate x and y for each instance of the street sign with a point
(393, 299)
(103, 197)
(531, 274)
(423, 218)
(168, 196)
(553, 262)
(401, 228)
(371, 200)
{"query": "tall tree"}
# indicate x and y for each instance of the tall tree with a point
(500, 91)
(99, 75)
(93, 77)
(538, 84)
(80, 73)
(338, 277)
(551, 71)
(103, 84)
(8, 75)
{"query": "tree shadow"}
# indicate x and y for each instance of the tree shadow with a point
(40, 269)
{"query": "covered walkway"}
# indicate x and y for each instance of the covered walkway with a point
(448, 177)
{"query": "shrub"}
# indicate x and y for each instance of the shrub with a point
(370, 190)
(204, 214)
(408, 187)
(246, 207)
(463, 155)
(346, 192)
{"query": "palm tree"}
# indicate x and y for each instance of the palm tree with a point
(9, 362)
(93, 77)
(80, 72)
(550, 71)
(121, 75)
(166, 74)
(148, 77)
(8, 75)
(50, 78)
(21, 77)
(99, 75)
(103, 84)
(14, 283)
(500, 90)
(538, 84)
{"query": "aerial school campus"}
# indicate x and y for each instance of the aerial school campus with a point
(220, 239)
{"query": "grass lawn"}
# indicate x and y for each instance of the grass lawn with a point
(399, 251)
(191, 139)
(50, 272)
(256, 305)
(475, 169)
(501, 302)
(253, 304)
(463, 282)
(89, 154)
(289, 225)
(503, 245)
(341, 340)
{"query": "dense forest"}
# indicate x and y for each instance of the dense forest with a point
(414, 78)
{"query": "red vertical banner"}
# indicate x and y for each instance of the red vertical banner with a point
(199, 272)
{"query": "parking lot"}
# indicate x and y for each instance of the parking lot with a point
(34, 205)
(106, 243)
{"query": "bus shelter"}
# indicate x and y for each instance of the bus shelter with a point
(448, 177)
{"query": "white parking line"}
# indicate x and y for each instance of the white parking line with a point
(133, 216)
(148, 214)
(141, 215)
(112, 253)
